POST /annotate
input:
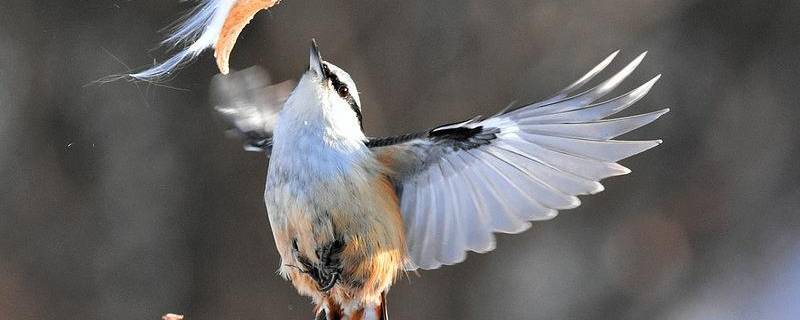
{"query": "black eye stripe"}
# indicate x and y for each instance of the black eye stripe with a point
(339, 86)
(344, 92)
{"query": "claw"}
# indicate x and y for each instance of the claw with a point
(328, 271)
(331, 283)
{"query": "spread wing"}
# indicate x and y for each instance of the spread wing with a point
(462, 182)
(250, 104)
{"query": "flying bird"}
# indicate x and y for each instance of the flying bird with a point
(349, 212)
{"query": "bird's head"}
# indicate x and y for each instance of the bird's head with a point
(327, 91)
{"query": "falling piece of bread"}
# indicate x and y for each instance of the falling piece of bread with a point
(239, 16)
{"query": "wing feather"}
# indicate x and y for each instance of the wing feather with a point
(430, 243)
(609, 151)
(595, 111)
(565, 182)
(529, 184)
(416, 229)
(513, 188)
(444, 219)
(479, 237)
(595, 130)
(579, 165)
(590, 95)
(455, 235)
(580, 82)
(500, 216)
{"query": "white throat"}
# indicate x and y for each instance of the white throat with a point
(317, 132)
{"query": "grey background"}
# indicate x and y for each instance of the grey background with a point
(127, 201)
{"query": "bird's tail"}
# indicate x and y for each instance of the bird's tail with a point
(330, 310)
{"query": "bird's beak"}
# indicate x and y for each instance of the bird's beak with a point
(315, 60)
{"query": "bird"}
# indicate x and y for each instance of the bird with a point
(351, 212)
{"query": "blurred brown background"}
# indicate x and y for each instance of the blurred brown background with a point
(126, 201)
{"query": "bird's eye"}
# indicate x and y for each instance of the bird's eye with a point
(342, 91)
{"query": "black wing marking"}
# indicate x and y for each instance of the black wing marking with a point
(455, 136)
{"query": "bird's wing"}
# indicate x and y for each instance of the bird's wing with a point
(462, 182)
(250, 104)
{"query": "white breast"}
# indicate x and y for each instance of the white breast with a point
(318, 159)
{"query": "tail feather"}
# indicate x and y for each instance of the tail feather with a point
(328, 310)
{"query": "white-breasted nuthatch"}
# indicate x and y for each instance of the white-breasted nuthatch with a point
(349, 212)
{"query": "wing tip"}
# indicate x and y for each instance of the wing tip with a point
(648, 117)
(610, 58)
(551, 214)
(644, 89)
(655, 79)
(598, 187)
(621, 170)
(605, 62)
(656, 114)
(489, 246)
(574, 202)
(520, 229)
(458, 258)
(634, 63)
(652, 116)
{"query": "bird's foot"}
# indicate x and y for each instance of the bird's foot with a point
(328, 270)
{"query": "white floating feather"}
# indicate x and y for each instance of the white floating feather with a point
(199, 31)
